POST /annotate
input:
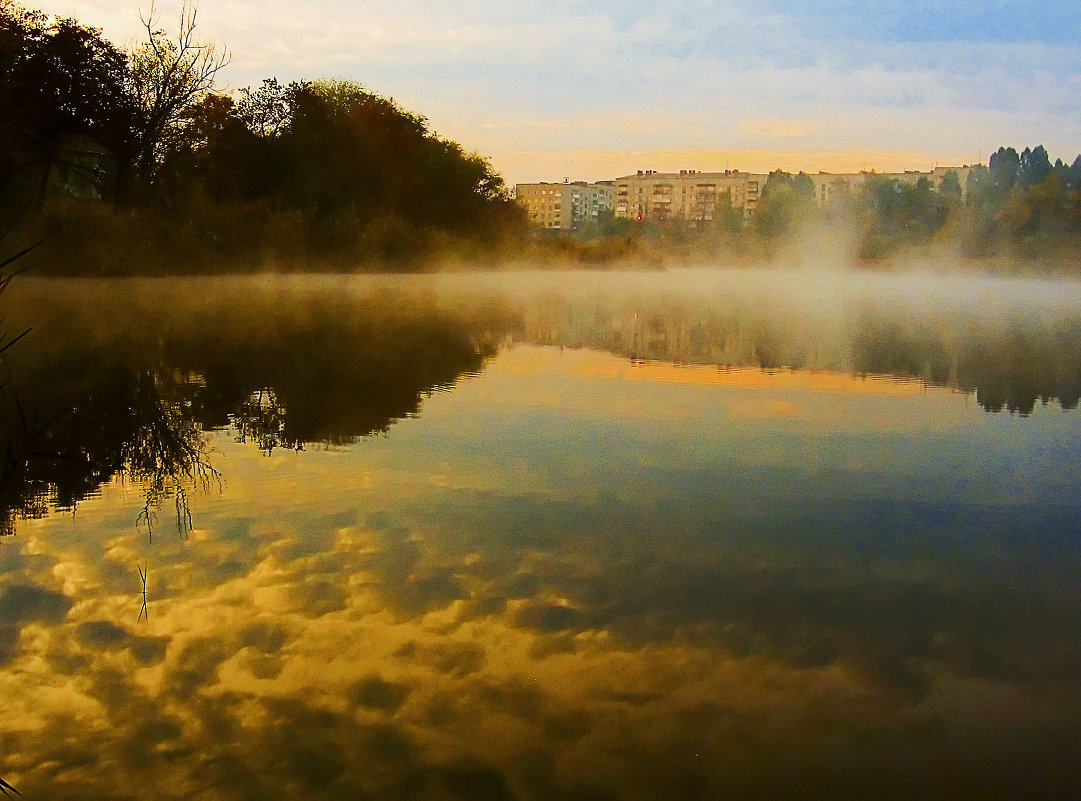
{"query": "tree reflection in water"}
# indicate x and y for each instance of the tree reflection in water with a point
(1011, 357)
(129, 384)
(138, 371)
(167, 452)
(261, 420)
(1010, 365)
(18, 437)
(131, 425)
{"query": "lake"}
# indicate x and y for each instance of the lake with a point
(683, 535)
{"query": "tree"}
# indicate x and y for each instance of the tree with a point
(221, 157)
(1047, 201)
(786, 201)
(347, 151)
(265, 111)
(898, 213)
(950, 188)
(62, 103)
(726, 217)
(804, 186)
(166, 78)
(1005, 168)
(1034, 166)
(978, 184)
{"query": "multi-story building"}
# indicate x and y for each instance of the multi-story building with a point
(688, 194)
(564, 206)
(829, 187)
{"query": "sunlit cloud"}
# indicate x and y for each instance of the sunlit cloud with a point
(779, 129)
(525, 166)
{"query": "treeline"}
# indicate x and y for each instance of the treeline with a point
(130, 161)
(1020, 204)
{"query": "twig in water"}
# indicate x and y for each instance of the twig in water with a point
(4, 787)
(142, 574)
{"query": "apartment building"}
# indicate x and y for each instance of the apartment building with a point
(688, 194)
(564, 206)
(830, 187)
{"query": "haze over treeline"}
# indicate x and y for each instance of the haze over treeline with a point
(132, 161)
(1020, 204)
(1018, 210)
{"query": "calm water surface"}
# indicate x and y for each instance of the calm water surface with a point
(692, 535)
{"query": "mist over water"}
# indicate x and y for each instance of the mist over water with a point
(691, 534)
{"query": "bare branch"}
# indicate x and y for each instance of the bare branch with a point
(168, 76)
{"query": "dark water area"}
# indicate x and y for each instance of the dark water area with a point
(686, 535)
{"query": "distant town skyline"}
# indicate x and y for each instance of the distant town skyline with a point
(596, 90)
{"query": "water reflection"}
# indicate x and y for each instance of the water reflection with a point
(996, 339)
(124, 383)
(573, 576)
(122, 378)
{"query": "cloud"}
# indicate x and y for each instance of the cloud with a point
(316, 598)
(468, 779)
(102, 633)
(23, 604)
(682, 623)
(450, 657)
(779, 129)
(264, 636)
(9, 643)
(548, 618)
(372, 692)
(27, 603)
(504, 79)
(196, 666)
(107, 635)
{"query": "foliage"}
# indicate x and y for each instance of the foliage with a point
(165, 78)
(1021, 203)
(134, 376)
(786, 204)
(307, 171)
(63, 107)
(897, 212)
(727, 218)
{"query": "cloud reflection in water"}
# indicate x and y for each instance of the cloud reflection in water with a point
(642, 593)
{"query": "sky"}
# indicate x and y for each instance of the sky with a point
(599, 89)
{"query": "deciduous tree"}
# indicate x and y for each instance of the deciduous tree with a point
(167, 77)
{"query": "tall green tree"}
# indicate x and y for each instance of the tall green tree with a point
(897, 213)
(726, 217)
(787, 201)
(1005, 168)
(1035, 165)
(950, 187)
